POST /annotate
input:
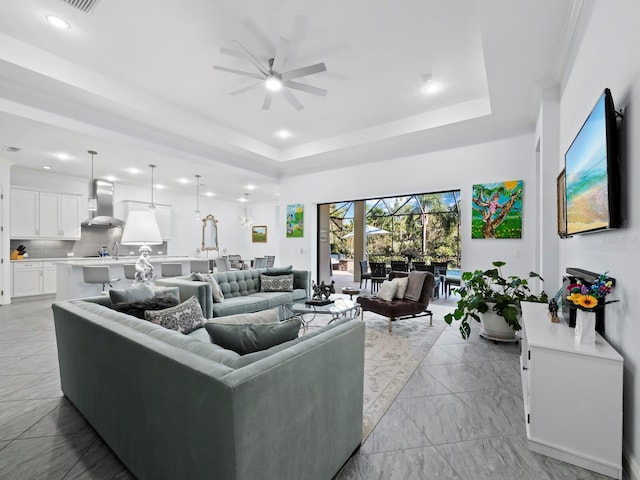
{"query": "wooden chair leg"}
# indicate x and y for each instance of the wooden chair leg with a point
(390, 320)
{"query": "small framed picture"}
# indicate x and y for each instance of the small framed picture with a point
(324, 236)
(259, 234)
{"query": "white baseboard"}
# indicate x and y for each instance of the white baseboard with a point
(630, 465)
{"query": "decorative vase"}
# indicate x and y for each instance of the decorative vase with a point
(585, 327)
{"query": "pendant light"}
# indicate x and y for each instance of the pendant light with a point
(246, 218)
(152, 207)
(92, 203)
(197, 215)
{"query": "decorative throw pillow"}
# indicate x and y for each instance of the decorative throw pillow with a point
(218, 296)
(263, 316)
(184, 318)
(275, 271)
(251, 338)
(402, 286)
(138, 307)
(281, 283)
(387, 290)
(139, 292)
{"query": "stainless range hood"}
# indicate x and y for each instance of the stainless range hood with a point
(103, 216)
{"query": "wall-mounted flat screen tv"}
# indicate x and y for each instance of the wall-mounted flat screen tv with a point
(592, 172)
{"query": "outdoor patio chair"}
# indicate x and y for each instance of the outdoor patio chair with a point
(364, 273)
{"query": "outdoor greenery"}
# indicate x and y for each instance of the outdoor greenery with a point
(428, 224)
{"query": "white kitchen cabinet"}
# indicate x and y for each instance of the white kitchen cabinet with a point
(27, 279)
(572, 394)
(25, 208)
(48, 277)
(163, 215)
(44, 215)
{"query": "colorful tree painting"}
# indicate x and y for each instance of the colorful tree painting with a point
(497, 210)
(295, 220)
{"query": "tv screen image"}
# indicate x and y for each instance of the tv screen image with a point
(592, 172)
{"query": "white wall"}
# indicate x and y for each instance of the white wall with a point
(458, 168)
(607, 57)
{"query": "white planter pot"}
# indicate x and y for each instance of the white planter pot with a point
(585, 331)
(495, 327)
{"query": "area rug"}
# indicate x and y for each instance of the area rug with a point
(391, 358)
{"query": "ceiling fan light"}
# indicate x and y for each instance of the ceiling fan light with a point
(273, 83)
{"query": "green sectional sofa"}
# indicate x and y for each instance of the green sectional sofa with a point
(241, 291)
(174, 406)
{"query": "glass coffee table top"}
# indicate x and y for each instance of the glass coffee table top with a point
(339, 308)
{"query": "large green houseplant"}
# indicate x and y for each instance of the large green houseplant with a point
(484, 291)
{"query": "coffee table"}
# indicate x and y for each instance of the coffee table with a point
(338, 309)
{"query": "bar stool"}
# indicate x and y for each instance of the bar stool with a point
(199, 266)
(271, 260)
(171, 269)
(130, 271)
(98, 275)
(223, 264)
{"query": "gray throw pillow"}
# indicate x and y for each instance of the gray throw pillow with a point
(263, 316)
(275, 271)
(281, 283)
(251, 338)
(141, 291)
(184, 318)
(138, 307)
(216, 291)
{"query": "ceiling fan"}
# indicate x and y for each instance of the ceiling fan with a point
(272, 76)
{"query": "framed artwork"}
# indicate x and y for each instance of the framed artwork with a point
(259, 233)
(295, 220)
(562, 205)
(496, 210)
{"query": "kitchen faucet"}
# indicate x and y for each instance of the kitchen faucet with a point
(116, 249)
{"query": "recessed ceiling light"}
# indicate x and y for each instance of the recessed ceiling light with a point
(46, 167)
(209, 194)
(63, 156)
(160, 187)
(283, 133)
(58, 22)
(183, 181)
(430, 86)
(251, 187)
(133, 170)
(111, 178)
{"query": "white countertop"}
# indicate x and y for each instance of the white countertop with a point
(109, 260)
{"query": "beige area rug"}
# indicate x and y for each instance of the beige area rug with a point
(391, 358)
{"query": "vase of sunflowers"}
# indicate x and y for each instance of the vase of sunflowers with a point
(586, 300)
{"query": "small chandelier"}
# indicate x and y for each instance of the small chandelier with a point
(197, 213)
(152, 207)
(246, 217)
(92, 203)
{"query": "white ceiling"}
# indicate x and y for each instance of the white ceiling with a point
(134, 81)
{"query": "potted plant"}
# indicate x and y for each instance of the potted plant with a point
(494, 301)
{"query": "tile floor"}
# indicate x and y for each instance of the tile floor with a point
(459, 416)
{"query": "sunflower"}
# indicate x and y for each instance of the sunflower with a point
(588, 301)
(575, 297)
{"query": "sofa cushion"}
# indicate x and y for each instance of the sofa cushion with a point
(245, 304)
(138, 307)
(387, 290)
(251, 337)
(138, 292)
(279, 283)
(218, 296)
(183, 318)
(263, 316)
(239, 283)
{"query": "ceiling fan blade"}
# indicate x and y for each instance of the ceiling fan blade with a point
(304, 71)
(267, 101)
(306, 88)
(281, 54)
(239, 72)
(292, 99)
(235, 53)
(253, 59)
(247, 88)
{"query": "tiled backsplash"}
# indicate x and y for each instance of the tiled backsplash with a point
(91, 242)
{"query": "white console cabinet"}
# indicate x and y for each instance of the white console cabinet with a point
(572, 394)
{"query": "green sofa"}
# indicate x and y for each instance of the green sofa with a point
(174, 406)
(241, 291)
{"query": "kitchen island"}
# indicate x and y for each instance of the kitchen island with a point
(70, 283)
